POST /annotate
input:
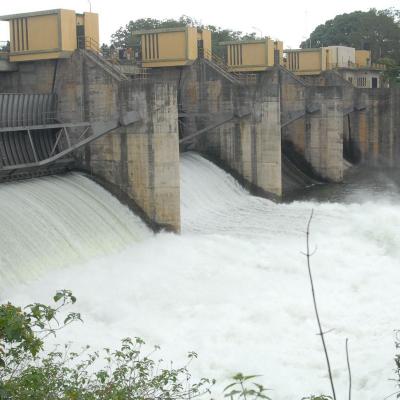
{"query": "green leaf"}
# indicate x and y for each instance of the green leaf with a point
(230, 385)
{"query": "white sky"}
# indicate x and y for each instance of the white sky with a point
(290, 21)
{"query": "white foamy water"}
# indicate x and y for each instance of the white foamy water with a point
(57, 221)
(234, 288)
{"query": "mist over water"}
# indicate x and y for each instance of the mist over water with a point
(233, 287)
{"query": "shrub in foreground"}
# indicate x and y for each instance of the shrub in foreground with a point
(28, 372)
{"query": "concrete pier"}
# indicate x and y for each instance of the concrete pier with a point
(248, 144)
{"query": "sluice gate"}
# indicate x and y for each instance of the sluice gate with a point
(24, 134)
(34, 142)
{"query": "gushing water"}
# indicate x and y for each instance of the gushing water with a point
(233, 286)
(58, 221)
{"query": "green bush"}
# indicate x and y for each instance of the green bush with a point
(27, 372)
(242, 388)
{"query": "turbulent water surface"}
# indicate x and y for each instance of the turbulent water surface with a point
(233, 287)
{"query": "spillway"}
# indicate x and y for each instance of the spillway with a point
(57, 221)
(233, 287)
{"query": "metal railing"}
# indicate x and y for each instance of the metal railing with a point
(88, 43)
(110, 59)
(4, 47)
(126, 64)
(4, 50)
(353, 65)
(220, 62)
(378, 66)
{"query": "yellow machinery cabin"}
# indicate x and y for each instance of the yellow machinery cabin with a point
(51, 34)
(172, 47)
(308, 61)
(253, 55)
(314, 61)
(353, 65)
(363, 58)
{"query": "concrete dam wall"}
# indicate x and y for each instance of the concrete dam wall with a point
(272, 130)
(138, 162)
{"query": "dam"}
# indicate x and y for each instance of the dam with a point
(172, 198)
(275, 128)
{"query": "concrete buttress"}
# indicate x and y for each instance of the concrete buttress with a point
(324, 131)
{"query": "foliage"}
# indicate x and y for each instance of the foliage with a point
(5, 46)
(320, 397)
(391, 74)
(241, 388)
(397, 363)
(126, 374)
(122, 38)
(24, 330)
(27, 372)
(375, 30)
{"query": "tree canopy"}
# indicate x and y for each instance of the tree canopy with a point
(122, 37)
(375, 30)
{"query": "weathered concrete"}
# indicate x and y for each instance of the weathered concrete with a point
(324, 128)
(371, 124)
(6, 66)
(312, 121)
(249, 145)
(138, 163)
(32, 77)
(375, 126)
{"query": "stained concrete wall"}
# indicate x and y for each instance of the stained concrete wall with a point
(371, 121)
(139, 162)
(312, 121)
(324, 127)
(249, 146)
(375, 126)
(31, 77)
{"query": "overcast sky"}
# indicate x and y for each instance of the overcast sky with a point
(290, 21)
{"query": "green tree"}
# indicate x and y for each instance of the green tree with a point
(29, 372)
(375, 30)
(123, 36)
(24, 330)
(391, 74)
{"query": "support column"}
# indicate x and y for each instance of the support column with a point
(324, 131)
(267, 126)
(153, 157)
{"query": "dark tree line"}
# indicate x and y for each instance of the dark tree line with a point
(375, 30)
(123, 36)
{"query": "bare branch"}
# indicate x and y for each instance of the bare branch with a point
(308, 255)
(326, 332)
(390, 395)
(348, 366)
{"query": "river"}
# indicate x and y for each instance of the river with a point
(233, 286)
